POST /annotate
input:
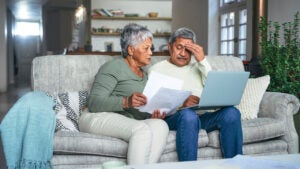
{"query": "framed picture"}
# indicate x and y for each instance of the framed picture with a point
(109, 46)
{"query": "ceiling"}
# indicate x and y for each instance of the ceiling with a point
(32, 9)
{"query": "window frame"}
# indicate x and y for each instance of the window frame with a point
(236, 6)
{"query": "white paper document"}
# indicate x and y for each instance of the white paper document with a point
(157, 80)
(163, 93)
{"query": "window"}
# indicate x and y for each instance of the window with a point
(25, 28)
(233, 28)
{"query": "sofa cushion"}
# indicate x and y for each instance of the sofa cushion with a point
(171, 143)
(63, 73)
(253, 93)
(254, 130)
(81, 161)
(49, 72)
(228, 63)
(79, 143)
(203, 153)
(268, 147)
(76, 143)
(68, 108)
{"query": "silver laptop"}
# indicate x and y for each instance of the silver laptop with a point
(222, 88)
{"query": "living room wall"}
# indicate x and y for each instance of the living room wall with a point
(282, 11)
(196, 20)
(3, 47)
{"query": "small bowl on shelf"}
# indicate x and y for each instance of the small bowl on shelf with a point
(153, 14)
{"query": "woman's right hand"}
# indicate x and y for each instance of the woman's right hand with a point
(136, 100)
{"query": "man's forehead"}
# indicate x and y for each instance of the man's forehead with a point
(180, 40)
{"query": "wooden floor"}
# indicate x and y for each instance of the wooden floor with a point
(7, 99)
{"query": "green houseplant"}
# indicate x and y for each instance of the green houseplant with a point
(280, 57)
(280, 54)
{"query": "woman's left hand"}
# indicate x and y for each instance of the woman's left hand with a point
(156, 115)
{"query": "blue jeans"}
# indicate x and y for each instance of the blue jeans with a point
(187, 124)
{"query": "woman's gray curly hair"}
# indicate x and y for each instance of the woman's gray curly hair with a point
(185, 33)
(133, 34)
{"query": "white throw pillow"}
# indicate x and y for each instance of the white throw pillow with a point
(253, 93)
(68, 108)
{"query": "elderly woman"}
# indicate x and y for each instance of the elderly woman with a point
(117, 90)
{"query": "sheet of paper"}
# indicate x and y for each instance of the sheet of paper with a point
(157, 80)
(166, 100)
(163, 93)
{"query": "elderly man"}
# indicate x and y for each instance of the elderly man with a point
(182, 45)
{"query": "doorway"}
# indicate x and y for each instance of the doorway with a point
(27, 41)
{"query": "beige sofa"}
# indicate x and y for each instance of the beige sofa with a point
(273, 132)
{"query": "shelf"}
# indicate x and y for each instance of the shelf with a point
(116, 53)
(130, 18)
(118, 34)
(105, 34)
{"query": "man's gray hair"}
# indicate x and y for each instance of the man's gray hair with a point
(185, 33)
(133, 34)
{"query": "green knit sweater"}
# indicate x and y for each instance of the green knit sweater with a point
(114, 81)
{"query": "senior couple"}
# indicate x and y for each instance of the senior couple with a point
(118, 88)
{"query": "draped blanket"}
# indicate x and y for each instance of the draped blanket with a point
(27, 132)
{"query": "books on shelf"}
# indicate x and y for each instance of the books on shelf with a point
(98, 12)
(106, 12)
(110, 12)
(102, 12)
(116, 12)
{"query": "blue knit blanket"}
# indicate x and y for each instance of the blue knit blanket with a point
(27, 132)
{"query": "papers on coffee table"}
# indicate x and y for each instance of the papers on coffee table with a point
(163, 93)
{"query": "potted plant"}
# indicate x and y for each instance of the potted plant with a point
(88, 46)
(280, 47)
(280, 54)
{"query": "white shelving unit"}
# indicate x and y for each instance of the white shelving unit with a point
(104, 28)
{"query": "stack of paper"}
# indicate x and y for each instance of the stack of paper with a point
(163, 93)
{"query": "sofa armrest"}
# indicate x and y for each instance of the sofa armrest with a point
(282, 106)
(277, 105)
